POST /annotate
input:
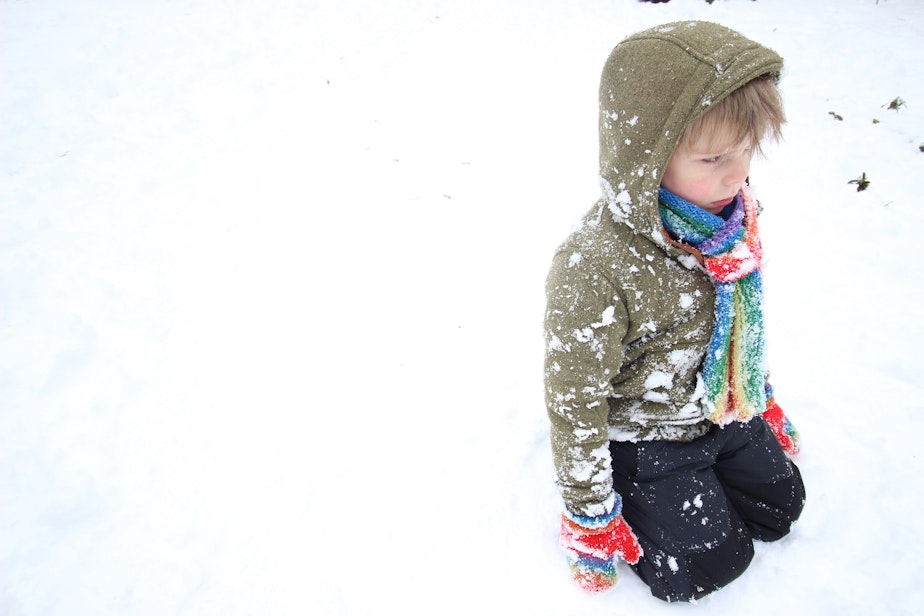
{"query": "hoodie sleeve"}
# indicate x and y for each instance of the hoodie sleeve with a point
(585, 323)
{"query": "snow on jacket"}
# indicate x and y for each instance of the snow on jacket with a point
(629, 315)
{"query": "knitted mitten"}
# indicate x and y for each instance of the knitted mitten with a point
(592, 545)
(782, 428)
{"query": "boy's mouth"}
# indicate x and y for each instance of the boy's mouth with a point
(723, 202)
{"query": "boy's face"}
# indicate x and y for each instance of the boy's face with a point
(710, 172)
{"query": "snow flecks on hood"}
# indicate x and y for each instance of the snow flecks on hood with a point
(590, 222)
(619, 204)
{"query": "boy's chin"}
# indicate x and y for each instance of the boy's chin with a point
(712, 209)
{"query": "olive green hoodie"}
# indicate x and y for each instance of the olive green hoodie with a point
(629, 315)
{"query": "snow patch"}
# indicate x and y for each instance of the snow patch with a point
(689, 261)
(583, 335)
(607, 318)
(659, 379)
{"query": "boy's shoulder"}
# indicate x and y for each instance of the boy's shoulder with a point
(599, 236)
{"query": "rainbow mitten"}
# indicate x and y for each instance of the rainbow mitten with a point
(592, 545)
(782, 428)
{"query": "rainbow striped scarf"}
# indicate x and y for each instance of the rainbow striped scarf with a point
(734, 372)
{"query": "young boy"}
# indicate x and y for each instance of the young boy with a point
(669, 448)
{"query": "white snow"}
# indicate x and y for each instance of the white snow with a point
(659, 378)
(689, 261)
(273, 285)
(607, 317)
(672, 563)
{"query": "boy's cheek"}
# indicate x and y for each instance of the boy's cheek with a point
(697, 191)
(703, 189)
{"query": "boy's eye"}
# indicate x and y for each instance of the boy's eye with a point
(718, 158)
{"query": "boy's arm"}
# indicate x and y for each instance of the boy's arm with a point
(585, 324)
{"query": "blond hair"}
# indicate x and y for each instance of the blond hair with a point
(752, 113)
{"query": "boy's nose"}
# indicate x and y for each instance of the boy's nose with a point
(737, 172)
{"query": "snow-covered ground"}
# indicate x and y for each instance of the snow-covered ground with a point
(272, 294)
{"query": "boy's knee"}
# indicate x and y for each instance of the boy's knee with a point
(714, 569)
(771, 510)
(693, 576)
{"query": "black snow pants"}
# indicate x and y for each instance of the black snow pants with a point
(697, 506)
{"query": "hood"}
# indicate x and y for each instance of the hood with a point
(654, 84)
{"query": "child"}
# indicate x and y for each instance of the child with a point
(669, 448)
